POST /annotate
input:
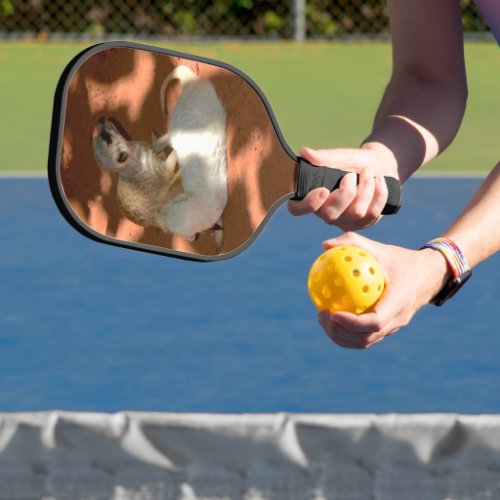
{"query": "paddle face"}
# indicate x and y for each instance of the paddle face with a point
(165, 152)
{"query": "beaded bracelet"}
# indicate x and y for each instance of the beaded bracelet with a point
(452, 254)
(459, 267)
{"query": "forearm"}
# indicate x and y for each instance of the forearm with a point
(416, 120)
(424, 103)
(477, 230)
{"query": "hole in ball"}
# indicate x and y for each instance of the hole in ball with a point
(348, 258)
(356, 273)
(366, 289)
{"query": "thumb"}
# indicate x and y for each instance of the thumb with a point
(349, 238)
(339, 157)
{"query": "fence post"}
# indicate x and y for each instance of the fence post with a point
(299, 20)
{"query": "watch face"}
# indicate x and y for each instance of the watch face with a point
(451, 288)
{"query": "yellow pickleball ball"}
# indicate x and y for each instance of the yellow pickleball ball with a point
(346, 278)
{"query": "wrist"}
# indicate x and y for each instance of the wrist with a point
(437, 273)
(387, 160)
(457, 265)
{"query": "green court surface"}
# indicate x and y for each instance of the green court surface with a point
(323, 95)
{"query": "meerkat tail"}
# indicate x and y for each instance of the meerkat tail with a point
(182, 73)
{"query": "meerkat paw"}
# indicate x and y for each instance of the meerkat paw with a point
(160, 143)
(171, 161)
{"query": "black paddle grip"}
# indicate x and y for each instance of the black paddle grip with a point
(310, 177)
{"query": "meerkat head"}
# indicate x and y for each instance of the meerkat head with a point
(112, 150)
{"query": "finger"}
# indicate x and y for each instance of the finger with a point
(338, 201)
(311, 203)
(348, 238)
(380, 196)
(384, 319)
(342, 340)
(362, 324)
(362, 340)
(338, 334)
(365, 191)
(349, 338)
(343, 343)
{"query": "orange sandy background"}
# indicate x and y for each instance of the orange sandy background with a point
(124, 84)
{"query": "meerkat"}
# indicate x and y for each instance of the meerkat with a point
(183, 192)
(147, 179)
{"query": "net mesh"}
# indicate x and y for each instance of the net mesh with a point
(205, 18)
(154, 456)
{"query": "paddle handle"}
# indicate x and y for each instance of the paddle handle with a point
(310, 177)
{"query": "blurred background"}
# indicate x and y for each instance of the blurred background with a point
(283, 19)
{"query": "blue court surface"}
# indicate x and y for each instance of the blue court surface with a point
(91, 327)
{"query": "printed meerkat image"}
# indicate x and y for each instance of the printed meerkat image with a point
(185, 191)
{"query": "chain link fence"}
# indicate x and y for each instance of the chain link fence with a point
(284, 19)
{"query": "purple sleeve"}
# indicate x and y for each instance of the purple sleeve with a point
(490, 9)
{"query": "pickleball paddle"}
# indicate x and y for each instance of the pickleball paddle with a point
(171, 153)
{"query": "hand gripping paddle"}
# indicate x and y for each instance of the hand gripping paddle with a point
(170, 153)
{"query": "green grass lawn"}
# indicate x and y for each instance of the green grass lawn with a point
(323, 95)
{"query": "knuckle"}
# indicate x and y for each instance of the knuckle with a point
(366, 177)
(349, 190)
(374, 212)
(358, 211)
(329, 215)
(378, 325)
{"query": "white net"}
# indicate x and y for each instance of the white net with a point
(154, 456)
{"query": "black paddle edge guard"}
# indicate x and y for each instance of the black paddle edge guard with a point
(310, 177)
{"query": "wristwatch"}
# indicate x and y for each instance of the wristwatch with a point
(460, 270)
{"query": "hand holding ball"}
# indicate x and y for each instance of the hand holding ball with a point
(346, 278)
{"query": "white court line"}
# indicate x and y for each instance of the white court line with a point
(23, 175)
(453, 174)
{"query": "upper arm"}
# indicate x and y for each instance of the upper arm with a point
(427, 40)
